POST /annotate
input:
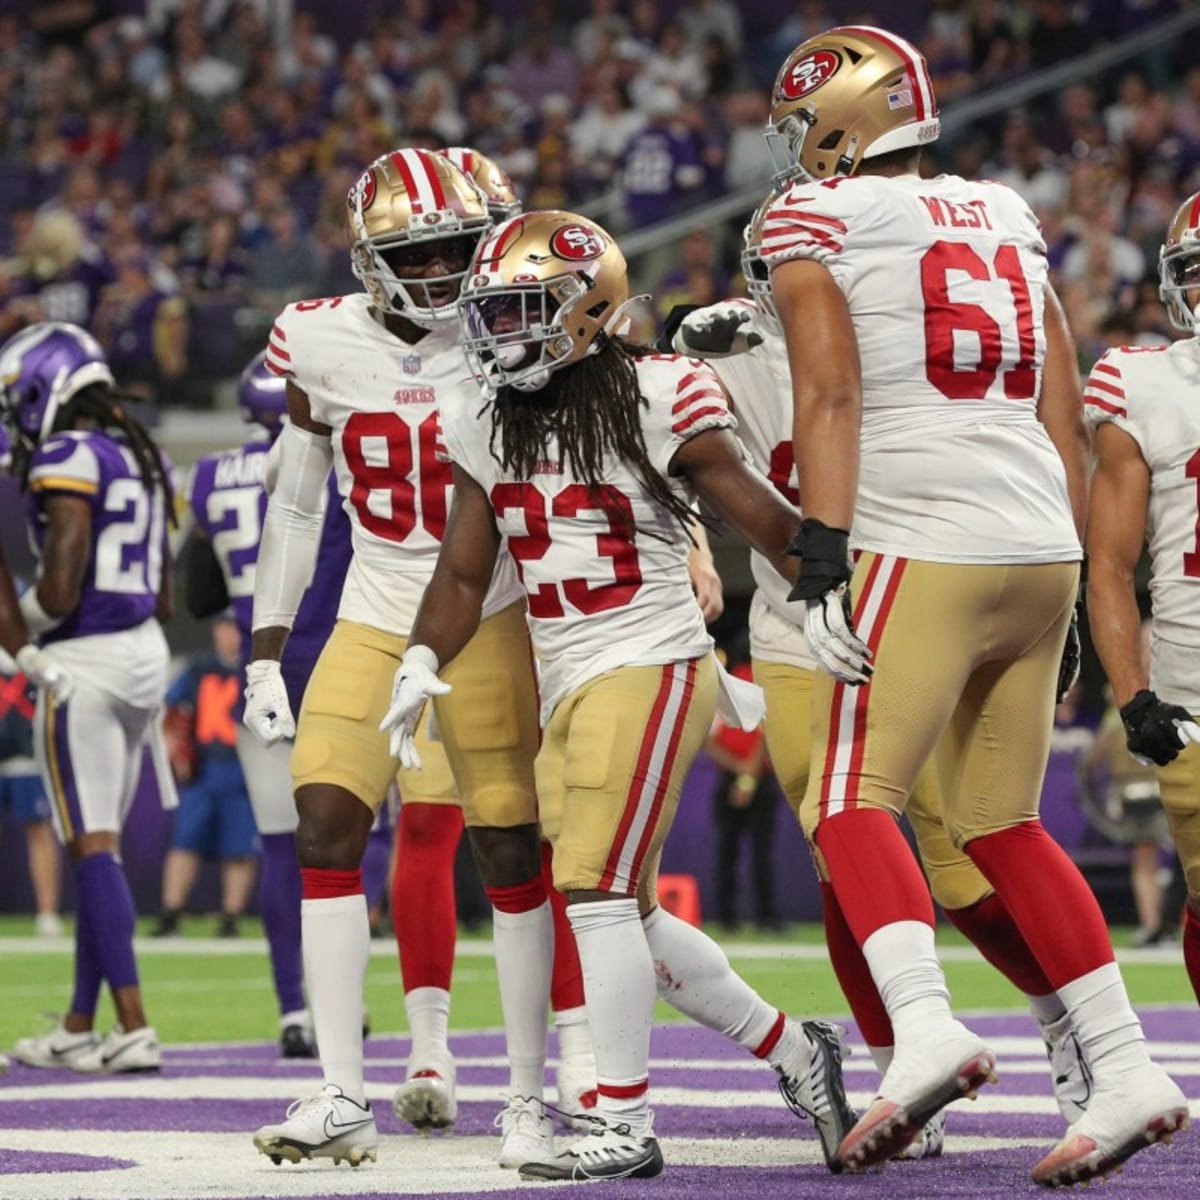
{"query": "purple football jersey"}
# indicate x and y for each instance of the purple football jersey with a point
(230, 501)
(125, 563)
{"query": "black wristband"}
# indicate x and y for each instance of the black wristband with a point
(1144, 699)
(816, 542)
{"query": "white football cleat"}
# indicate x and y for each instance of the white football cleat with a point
(120, 1053)
(55, 1048)
(1073, 1083)
(327, 1125)
(929, 1143)
(1134, 1111)
(610, 1151)
(922, 1079)
(426, 1100)
(576, 1078)
(525, 1132)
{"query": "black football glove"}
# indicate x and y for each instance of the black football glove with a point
(824, 587)
(1068, 668)
(1155, 731)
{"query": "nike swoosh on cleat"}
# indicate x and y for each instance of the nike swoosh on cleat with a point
(334, 1129)
(105, 1059)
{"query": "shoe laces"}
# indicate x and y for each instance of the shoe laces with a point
(308, 1103)
(521, 1111)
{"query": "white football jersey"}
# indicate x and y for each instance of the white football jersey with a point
(760, 387)
(381, 398)
(605, 575)
(945, 281)
(1153, 394)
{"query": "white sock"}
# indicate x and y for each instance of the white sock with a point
(574, 1036)
(882, 1057)
(618, 983)
(336, 937)
(1109, 1032)
(694, 976)
(905, 967)
(524, 946)
(428, 1010)
(1046, 1009)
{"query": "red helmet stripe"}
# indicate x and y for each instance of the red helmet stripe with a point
(1194, 215)
(917, 71)
(420, 180)
(462, 157)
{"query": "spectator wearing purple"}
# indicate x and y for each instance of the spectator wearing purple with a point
(221, 269)
(663, 166)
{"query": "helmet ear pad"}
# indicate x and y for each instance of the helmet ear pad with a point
(1179, 265)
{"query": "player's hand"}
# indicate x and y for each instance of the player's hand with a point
(268, 713)
(717, 331)
(416, 680)
(824, 587)
(1068, 668)
(43, 672)
(706, 583)
(1155, 731)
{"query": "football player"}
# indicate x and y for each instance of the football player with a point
(744, 344)
(1142, 402)
(423, 906)
(36, 666)
(937, 423)
(99, 504)
(367, 374)
(227, 498)
(584, 461)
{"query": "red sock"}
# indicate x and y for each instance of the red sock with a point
(566, 984)
(423, 908)
(1191, 948)
(321, 883)
(873, 871)
(1048, 899)
(853, 974)
(990, 926)
(518, 897)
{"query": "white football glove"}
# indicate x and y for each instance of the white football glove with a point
(416, 680)
(832, 639)
(717, 330)
(40, 670)
(268, 713)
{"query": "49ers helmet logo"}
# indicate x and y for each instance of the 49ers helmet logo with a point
(577, 243)
(810, 73)
(363, 192)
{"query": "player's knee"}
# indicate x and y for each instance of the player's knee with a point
(333, 828)
(957, 887)
(506, 857)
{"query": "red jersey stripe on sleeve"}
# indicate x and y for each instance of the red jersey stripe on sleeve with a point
(707, 393)
(699, 414)
(1104, 405)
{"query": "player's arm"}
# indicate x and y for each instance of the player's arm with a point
(292, 527)
(453, 602)
(702, 571)
(1060, 408)
(65, 556)
(449, 614)
(1116, 529)
(287, 555)
(13, 633)
(712, 462)
(205, 590)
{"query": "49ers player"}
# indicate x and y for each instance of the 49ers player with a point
(744, 344)
(1142, 401)
(938, 428)
(367, 374)
(584, 463)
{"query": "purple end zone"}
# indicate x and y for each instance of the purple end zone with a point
(37, 1162)
(978, 1174)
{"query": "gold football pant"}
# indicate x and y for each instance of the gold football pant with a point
(966, 662)
(488, 723)
(610, 770)
(1179, 785)
(953, 878)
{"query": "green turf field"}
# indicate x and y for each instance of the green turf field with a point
(198, 990)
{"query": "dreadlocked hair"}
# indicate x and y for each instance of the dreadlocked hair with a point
(108, 408)
(591, 408)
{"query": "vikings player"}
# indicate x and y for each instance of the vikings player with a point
(227, 495)
(99, 504)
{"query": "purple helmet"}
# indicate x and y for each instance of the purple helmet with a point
(262, 395)
(41, 368)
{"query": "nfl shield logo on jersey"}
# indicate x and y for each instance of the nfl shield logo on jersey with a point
(411, 364)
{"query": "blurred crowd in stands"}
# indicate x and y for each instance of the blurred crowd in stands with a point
(171, 172)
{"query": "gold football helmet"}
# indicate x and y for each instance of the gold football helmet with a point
(406, 209)
(754, 267)
(1179, 265)
(545, 290)
(491, 179)
(847, 94)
